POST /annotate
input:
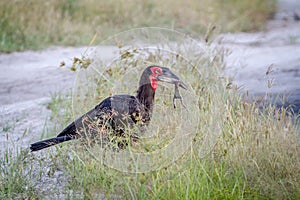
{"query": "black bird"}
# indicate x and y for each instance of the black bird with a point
(117, 112)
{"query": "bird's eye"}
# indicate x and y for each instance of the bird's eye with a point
(157, 71)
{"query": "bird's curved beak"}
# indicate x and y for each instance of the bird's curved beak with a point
(169, 77)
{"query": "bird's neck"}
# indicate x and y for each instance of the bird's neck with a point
(145, 95)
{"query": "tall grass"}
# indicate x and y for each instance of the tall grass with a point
(36, 24)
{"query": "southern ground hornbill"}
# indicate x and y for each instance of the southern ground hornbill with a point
(118, 111)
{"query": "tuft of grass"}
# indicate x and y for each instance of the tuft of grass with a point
(9, 125)
(37, 24)
(6, 128)
(15, 176)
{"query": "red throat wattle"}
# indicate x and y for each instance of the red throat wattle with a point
(153, 81)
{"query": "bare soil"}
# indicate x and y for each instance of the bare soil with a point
(267, 62)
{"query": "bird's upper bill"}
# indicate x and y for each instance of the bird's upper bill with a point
(164, 74)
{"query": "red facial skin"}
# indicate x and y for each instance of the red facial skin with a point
(156, 71)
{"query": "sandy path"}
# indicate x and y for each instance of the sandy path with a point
(276, 49)
(34, 74)
(27, 80)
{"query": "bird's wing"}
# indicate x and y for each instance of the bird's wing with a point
(113, 113)
(87, 123)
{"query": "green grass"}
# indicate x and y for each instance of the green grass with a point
(15, 176)
(37, 24)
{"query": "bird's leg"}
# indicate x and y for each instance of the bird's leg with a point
(177, 95)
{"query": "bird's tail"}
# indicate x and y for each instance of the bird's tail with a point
(49, 142)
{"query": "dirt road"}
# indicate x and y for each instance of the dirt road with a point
(27, 80)
(267, 62)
